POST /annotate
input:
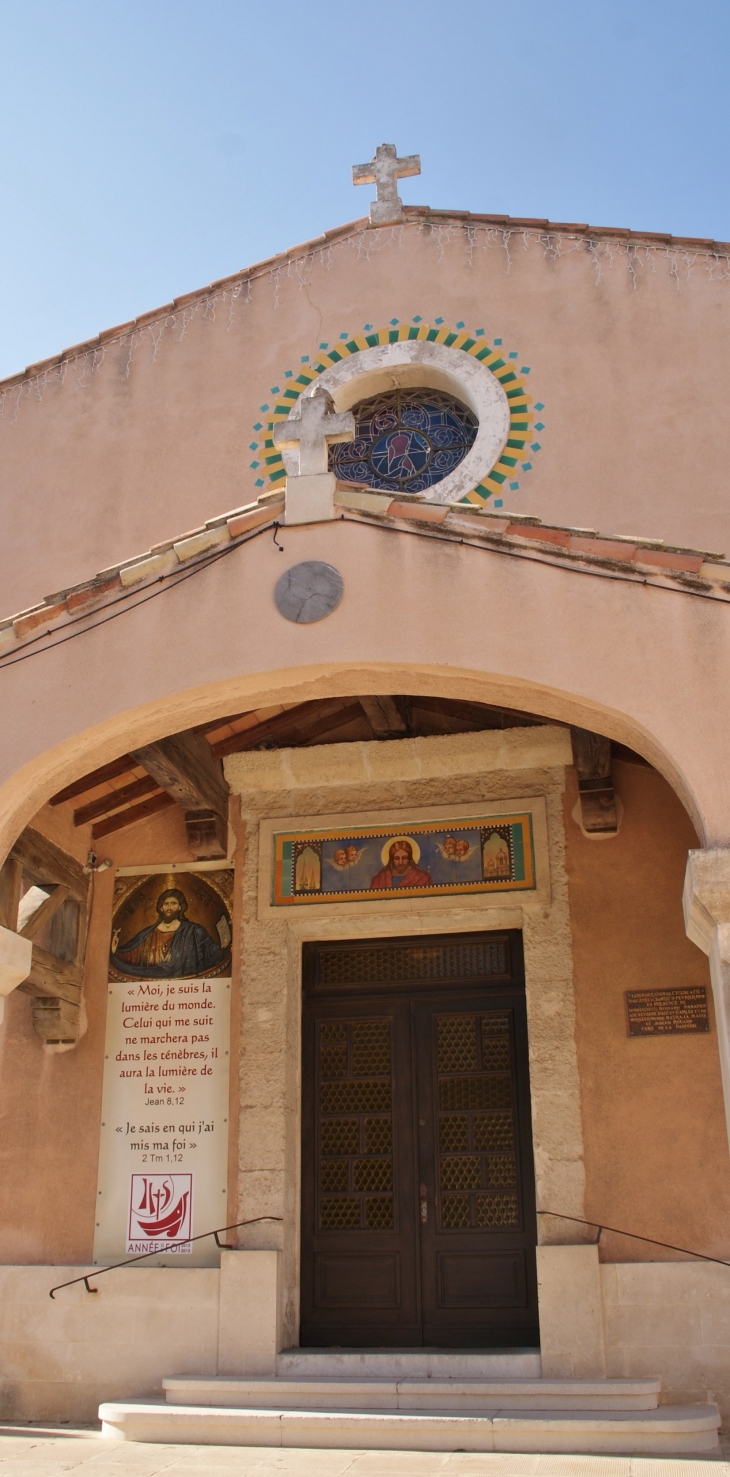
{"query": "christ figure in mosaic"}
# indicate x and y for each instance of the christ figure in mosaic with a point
(170, 948)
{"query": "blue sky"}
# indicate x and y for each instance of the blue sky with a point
(151, 146)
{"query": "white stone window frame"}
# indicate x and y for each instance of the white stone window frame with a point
(419, 365)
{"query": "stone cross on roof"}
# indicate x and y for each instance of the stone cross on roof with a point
(311, 431)
(384, 171)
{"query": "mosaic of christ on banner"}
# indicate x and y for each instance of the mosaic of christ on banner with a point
(172, 927)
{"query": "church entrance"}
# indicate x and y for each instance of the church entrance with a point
(418, 1199)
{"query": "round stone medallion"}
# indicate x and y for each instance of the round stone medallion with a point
(308, 592)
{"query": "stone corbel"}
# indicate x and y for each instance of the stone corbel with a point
(16, 955)
(706, 903)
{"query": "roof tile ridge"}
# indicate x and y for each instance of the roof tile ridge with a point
(530, 520)
(122, 330)
(698, 579)
(155, 563)
(540, 223)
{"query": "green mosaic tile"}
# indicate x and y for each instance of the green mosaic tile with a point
(515, 392)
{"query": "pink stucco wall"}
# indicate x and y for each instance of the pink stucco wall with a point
(628, 348)
(642, 664)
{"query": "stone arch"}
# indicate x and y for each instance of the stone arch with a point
(418, 615)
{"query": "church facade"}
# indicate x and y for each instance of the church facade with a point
(365, 824)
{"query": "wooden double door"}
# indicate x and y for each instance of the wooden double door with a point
(418, 1209)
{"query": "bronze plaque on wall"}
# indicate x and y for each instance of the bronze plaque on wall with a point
(667, 1012)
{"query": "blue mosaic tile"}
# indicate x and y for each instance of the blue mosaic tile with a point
(254, 464)
(499, 502)
(259, 482)
(253, 445)
(491, 349)
(406, 440)
(367, 328)
(263, 407)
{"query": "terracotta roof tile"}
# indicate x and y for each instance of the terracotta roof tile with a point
(651, 561)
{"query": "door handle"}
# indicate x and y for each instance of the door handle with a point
(424, 1205)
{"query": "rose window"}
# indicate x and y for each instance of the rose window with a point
(405, 440)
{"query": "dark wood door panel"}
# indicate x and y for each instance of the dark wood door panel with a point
(418, 1214)
(359, 1254)
(481, 1279)
(351, 1280)
(475, 1152)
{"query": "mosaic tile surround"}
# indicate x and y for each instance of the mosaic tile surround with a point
(501, 362)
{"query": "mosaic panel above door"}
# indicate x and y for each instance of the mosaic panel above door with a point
(469, 855)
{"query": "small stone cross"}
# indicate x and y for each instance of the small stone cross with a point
(311, 431)
(384, 171)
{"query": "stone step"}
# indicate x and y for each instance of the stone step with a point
(369, 1393)
(669, 1430)
(396, 1364)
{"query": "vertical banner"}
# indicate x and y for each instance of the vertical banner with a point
(163, 1154)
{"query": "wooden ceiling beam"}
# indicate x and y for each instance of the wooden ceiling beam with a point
(273, 728)
(384, 716)
(186, 768)
(474, 712)
(115, 800)
(133, 813)
(90, 781)
(592, 760)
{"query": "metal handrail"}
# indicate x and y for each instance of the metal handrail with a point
(145, 1254)
(633, 1236)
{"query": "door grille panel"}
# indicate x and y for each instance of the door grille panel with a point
(454, 1133)
(355, 1153)
(340, 1214)
(334, 1175)
(457, 1044)
(437, 963)
(493, 1131)
(456, 1212)
(356, 1097)
(475, 1072)
(496, 1211)
(340, 1136)
(475, 1092)
(371, 1049)
(379, 1214)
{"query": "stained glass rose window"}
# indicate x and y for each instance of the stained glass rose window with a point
(405, 440)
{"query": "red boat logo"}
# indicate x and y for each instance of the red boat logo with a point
(160, 1211)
